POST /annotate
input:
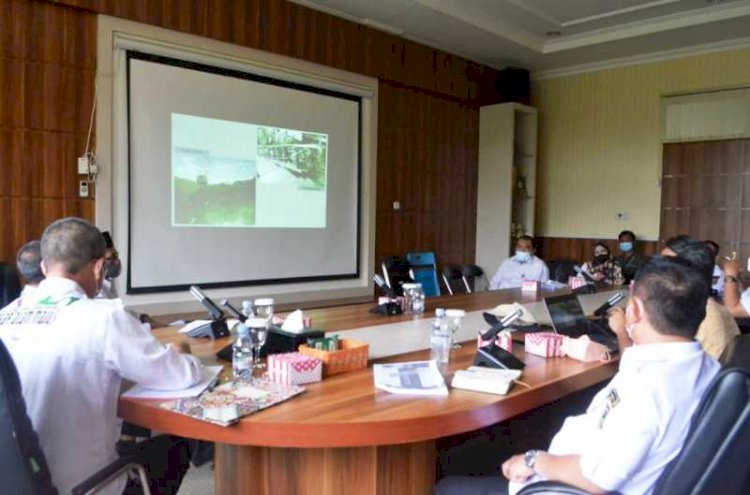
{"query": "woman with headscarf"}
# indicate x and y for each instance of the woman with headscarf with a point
(604, 268)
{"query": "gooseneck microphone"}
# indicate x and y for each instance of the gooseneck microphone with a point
(215, 312)
(236, 312)
(502, 324)
(611, 302)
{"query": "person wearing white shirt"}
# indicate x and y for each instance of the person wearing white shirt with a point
(637, 424)
(28, 262)
(72, 356)
(523, 265)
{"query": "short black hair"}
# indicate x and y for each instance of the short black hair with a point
(602, 244)
(29, 262)
(627, 232)
(695, 252)
(674, 295)
(526, 238)
(714, 247)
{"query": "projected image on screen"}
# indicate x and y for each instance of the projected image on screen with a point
(236, 174)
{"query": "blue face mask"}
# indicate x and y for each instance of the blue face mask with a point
(626, 247)
(522, 256)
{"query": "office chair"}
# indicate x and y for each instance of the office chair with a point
(396, 272)
(714, 458)
(450, 275)
(24, 468)
(470, 275)
(10, 284)
(561, 270)
(424, 271)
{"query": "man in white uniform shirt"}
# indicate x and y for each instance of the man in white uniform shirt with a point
(637, 424)
(72, 356)
(523, 265)
(29, 265)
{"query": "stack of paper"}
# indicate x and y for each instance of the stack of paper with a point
(488, 380)
(411, 378)
(210, 375)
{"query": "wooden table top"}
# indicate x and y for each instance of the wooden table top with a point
(347, 411)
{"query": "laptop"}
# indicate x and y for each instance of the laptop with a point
(569, 319)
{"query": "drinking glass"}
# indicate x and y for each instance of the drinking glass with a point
(258, 333)
(264, 309)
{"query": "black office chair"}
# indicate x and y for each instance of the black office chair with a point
(714, 458)
(23, 467)
(453, 279)
(561, 270)
(471, 274)
(10, 284)
(396, 272)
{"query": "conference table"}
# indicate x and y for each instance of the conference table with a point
(342, 435)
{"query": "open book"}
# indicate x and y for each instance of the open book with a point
(488, 380)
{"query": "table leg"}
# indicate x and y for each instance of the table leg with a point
(407, 469)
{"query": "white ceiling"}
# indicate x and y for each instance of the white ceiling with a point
(553, 35)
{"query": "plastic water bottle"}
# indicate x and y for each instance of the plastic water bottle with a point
(242, 353)
(417, 300)
(440, 339)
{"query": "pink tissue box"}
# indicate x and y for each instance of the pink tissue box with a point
(280, 318)
(293, 368)
(529, 286)
(545, 344)
(504, 341)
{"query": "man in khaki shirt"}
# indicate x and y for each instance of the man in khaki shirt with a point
(718, 328)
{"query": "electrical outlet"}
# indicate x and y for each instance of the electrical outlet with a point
(396, 205)
(83, 165)
(83, 189)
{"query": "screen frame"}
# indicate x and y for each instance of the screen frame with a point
(131, 54)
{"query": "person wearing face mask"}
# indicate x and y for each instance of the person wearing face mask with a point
(637, 424)
(112, 269)
(523, 265)
(72, 352)
(603, 268)
(718, 328)
(629, 260)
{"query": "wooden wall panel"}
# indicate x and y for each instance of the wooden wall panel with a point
(428, 117)
(47, 69)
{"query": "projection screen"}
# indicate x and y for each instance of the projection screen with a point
(238, 179)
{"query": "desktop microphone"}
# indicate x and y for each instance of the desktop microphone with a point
(583, 273)
(611, 302)
(502, 324)
(212, 308)
(380, 282)
(236, 312)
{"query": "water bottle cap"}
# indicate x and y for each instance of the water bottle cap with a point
(409, 286)
(265, 301)
(455, 313)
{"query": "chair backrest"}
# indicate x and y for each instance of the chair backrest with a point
(454, 280)
(714, 458)
(472, 273)
(396, 272)
(561, 270)
(23, 467)
(10, 284)
(737, 353)
(424, 268)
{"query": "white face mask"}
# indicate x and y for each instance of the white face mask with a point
(522, 256)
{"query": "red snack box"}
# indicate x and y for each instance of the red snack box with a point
(293, 368)
(545, 344)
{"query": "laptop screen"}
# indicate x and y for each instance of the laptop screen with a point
(567, 315)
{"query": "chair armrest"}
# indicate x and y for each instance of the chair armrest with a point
(554, 488)
(110, 473)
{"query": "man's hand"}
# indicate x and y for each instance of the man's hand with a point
(732, 268)
(516, 470)
(616, 321)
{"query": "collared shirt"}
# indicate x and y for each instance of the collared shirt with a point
(71, 353)
(638, 423)
(717, 329)
(27, 293)
(745, 299)
(512, 273)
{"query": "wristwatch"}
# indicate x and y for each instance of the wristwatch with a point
(529, 459)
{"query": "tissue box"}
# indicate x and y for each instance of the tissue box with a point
(576, 282)
(545, 344)
(504, 341)
(278, 320)
(529, 286)
(294, 368)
